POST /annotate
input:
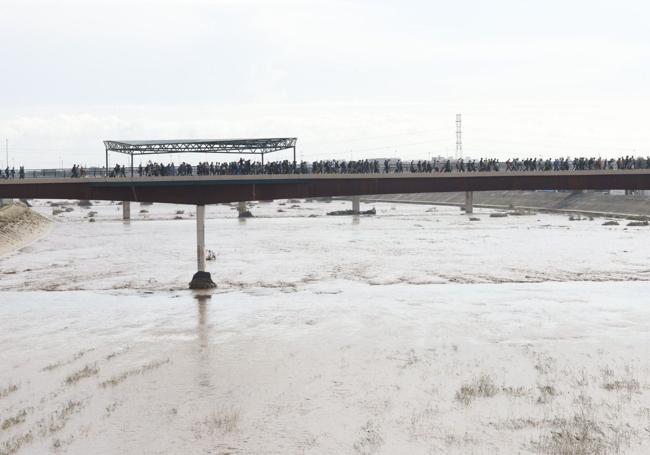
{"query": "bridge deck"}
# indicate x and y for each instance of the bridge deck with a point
(228, 188)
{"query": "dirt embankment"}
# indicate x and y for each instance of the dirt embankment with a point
(19, 226)
(595, 203)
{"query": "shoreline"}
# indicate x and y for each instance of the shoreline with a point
(20, 226)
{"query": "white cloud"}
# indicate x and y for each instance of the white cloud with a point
(530, 77)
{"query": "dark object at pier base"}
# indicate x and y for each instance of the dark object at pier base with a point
(372, 211)
(202, 280)
(245, 214)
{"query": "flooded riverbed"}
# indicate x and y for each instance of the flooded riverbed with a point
(415, 331)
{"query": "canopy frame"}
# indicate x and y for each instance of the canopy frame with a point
(258, 146)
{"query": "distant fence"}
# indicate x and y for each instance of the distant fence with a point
(59, 173)
(65, 173)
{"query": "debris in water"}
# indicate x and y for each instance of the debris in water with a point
(372, 211)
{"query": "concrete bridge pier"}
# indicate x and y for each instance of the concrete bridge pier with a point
(242, 210)
(356, 205)
(126, 210)
(201, 279)
(469, 202)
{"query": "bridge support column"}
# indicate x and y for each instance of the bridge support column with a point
(356, 205)
(469, 202)
(242, 210)
(201, 279)
(200, 238)
(126, 210)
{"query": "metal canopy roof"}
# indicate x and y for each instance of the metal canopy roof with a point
(242, 146)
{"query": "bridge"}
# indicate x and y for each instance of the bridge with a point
(202, 190)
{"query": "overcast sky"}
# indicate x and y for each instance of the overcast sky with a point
(348, 78)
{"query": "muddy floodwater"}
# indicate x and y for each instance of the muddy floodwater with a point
(416, 331)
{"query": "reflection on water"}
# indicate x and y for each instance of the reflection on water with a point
(178, 372)
(204, 344)
(202, 301)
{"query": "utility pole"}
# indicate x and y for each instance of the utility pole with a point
(459, 138)
(7, 152)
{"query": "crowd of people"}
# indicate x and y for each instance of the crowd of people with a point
(577, 164)
(78, 171)
(11, 173)
(248, 167)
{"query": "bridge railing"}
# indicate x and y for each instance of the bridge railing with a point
(62, 173)
(96, 172)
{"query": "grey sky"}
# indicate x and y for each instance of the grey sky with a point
(349, 78)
